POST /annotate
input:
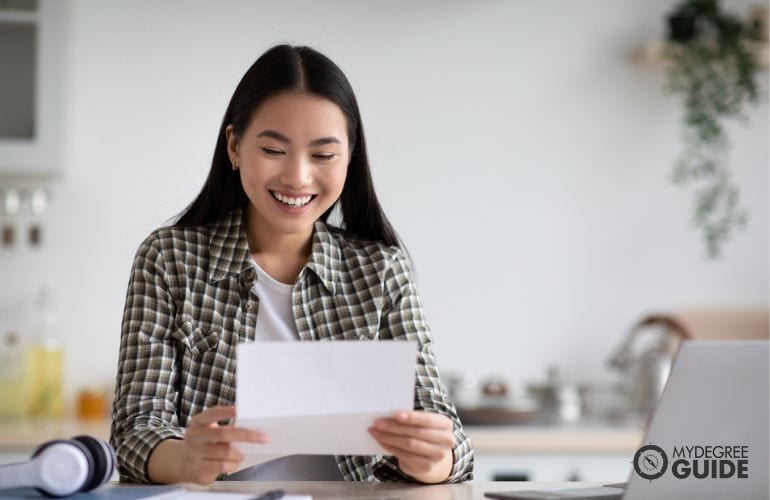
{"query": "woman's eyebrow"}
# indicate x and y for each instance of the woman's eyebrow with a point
(325, 140)
(282, 138)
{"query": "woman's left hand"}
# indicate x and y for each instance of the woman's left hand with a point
(421, 441)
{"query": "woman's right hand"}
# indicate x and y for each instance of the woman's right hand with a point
(206, 450)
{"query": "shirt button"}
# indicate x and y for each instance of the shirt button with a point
(187, 325)
(249, 275)
(249, 306)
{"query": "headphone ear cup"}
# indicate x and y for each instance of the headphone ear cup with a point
(103, 460)
(86, 455)
(45, 445)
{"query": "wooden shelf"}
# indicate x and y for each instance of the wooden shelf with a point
(651, 54)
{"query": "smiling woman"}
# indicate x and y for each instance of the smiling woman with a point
(253, 259)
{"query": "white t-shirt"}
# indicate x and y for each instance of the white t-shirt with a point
(275, 321)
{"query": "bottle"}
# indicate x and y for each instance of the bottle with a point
(45, 356)
(12, 387)
(91, 404)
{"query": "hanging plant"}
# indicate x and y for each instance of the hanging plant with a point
(713, 68)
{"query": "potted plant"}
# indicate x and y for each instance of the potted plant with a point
(713, 69)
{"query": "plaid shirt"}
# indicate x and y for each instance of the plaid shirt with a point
(190, 301)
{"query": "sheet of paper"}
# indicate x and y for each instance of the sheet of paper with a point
(321, 397)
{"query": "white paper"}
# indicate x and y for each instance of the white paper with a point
(320, 397)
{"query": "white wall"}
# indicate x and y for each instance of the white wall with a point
(521, 156)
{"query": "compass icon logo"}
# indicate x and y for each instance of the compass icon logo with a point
(650, 462)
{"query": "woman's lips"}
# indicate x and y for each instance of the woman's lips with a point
(290, 209)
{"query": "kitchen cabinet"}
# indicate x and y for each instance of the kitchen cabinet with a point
(599, 467)
(554, 453)
(32, 87)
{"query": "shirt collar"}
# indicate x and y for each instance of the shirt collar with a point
(228, 247)
(325, 256)
(229, 251)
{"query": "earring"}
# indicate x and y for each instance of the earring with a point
(235, 167)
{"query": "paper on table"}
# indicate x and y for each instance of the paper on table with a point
(321, 397)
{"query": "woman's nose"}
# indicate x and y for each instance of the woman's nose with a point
(297, 173)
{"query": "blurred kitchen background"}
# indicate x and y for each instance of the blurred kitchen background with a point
(523, 150)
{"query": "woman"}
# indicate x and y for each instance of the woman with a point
(253, 258)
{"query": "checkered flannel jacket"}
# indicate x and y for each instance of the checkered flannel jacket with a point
(190, 301)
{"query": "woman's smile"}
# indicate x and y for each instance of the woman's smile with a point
(295, 204)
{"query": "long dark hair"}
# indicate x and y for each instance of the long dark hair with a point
(280, 69)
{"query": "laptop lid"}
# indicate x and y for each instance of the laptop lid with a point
(708, 437)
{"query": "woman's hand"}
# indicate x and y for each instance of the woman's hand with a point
(209, 450)
(421, 441)
(206, 451)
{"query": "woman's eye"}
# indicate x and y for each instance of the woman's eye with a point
(272, 151)
(324, 157)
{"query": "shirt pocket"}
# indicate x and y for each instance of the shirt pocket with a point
(369, 333)
(197, 337)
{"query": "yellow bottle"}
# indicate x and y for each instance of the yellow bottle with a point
(44, 380)
(13, 405)
(44, 360)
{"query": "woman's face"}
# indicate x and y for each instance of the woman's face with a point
(293, 159)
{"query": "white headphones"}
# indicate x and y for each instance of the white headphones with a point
(63, 467)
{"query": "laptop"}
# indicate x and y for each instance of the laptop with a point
(708, 436)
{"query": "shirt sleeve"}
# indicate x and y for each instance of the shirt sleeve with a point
(144, 410)
(402, 319)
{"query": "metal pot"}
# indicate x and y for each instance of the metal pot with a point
(557, 399)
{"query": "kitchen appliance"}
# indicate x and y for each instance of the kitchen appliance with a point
(558, 399)
(644, 360)
(488, 401)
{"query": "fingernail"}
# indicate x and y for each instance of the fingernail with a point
(402, 415)
(380, 424)
(260, 438)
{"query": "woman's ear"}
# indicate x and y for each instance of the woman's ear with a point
(232, 144)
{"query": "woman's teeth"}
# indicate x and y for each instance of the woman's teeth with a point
(292, 202)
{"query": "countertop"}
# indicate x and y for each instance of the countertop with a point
(573, 438)
(30, 433)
